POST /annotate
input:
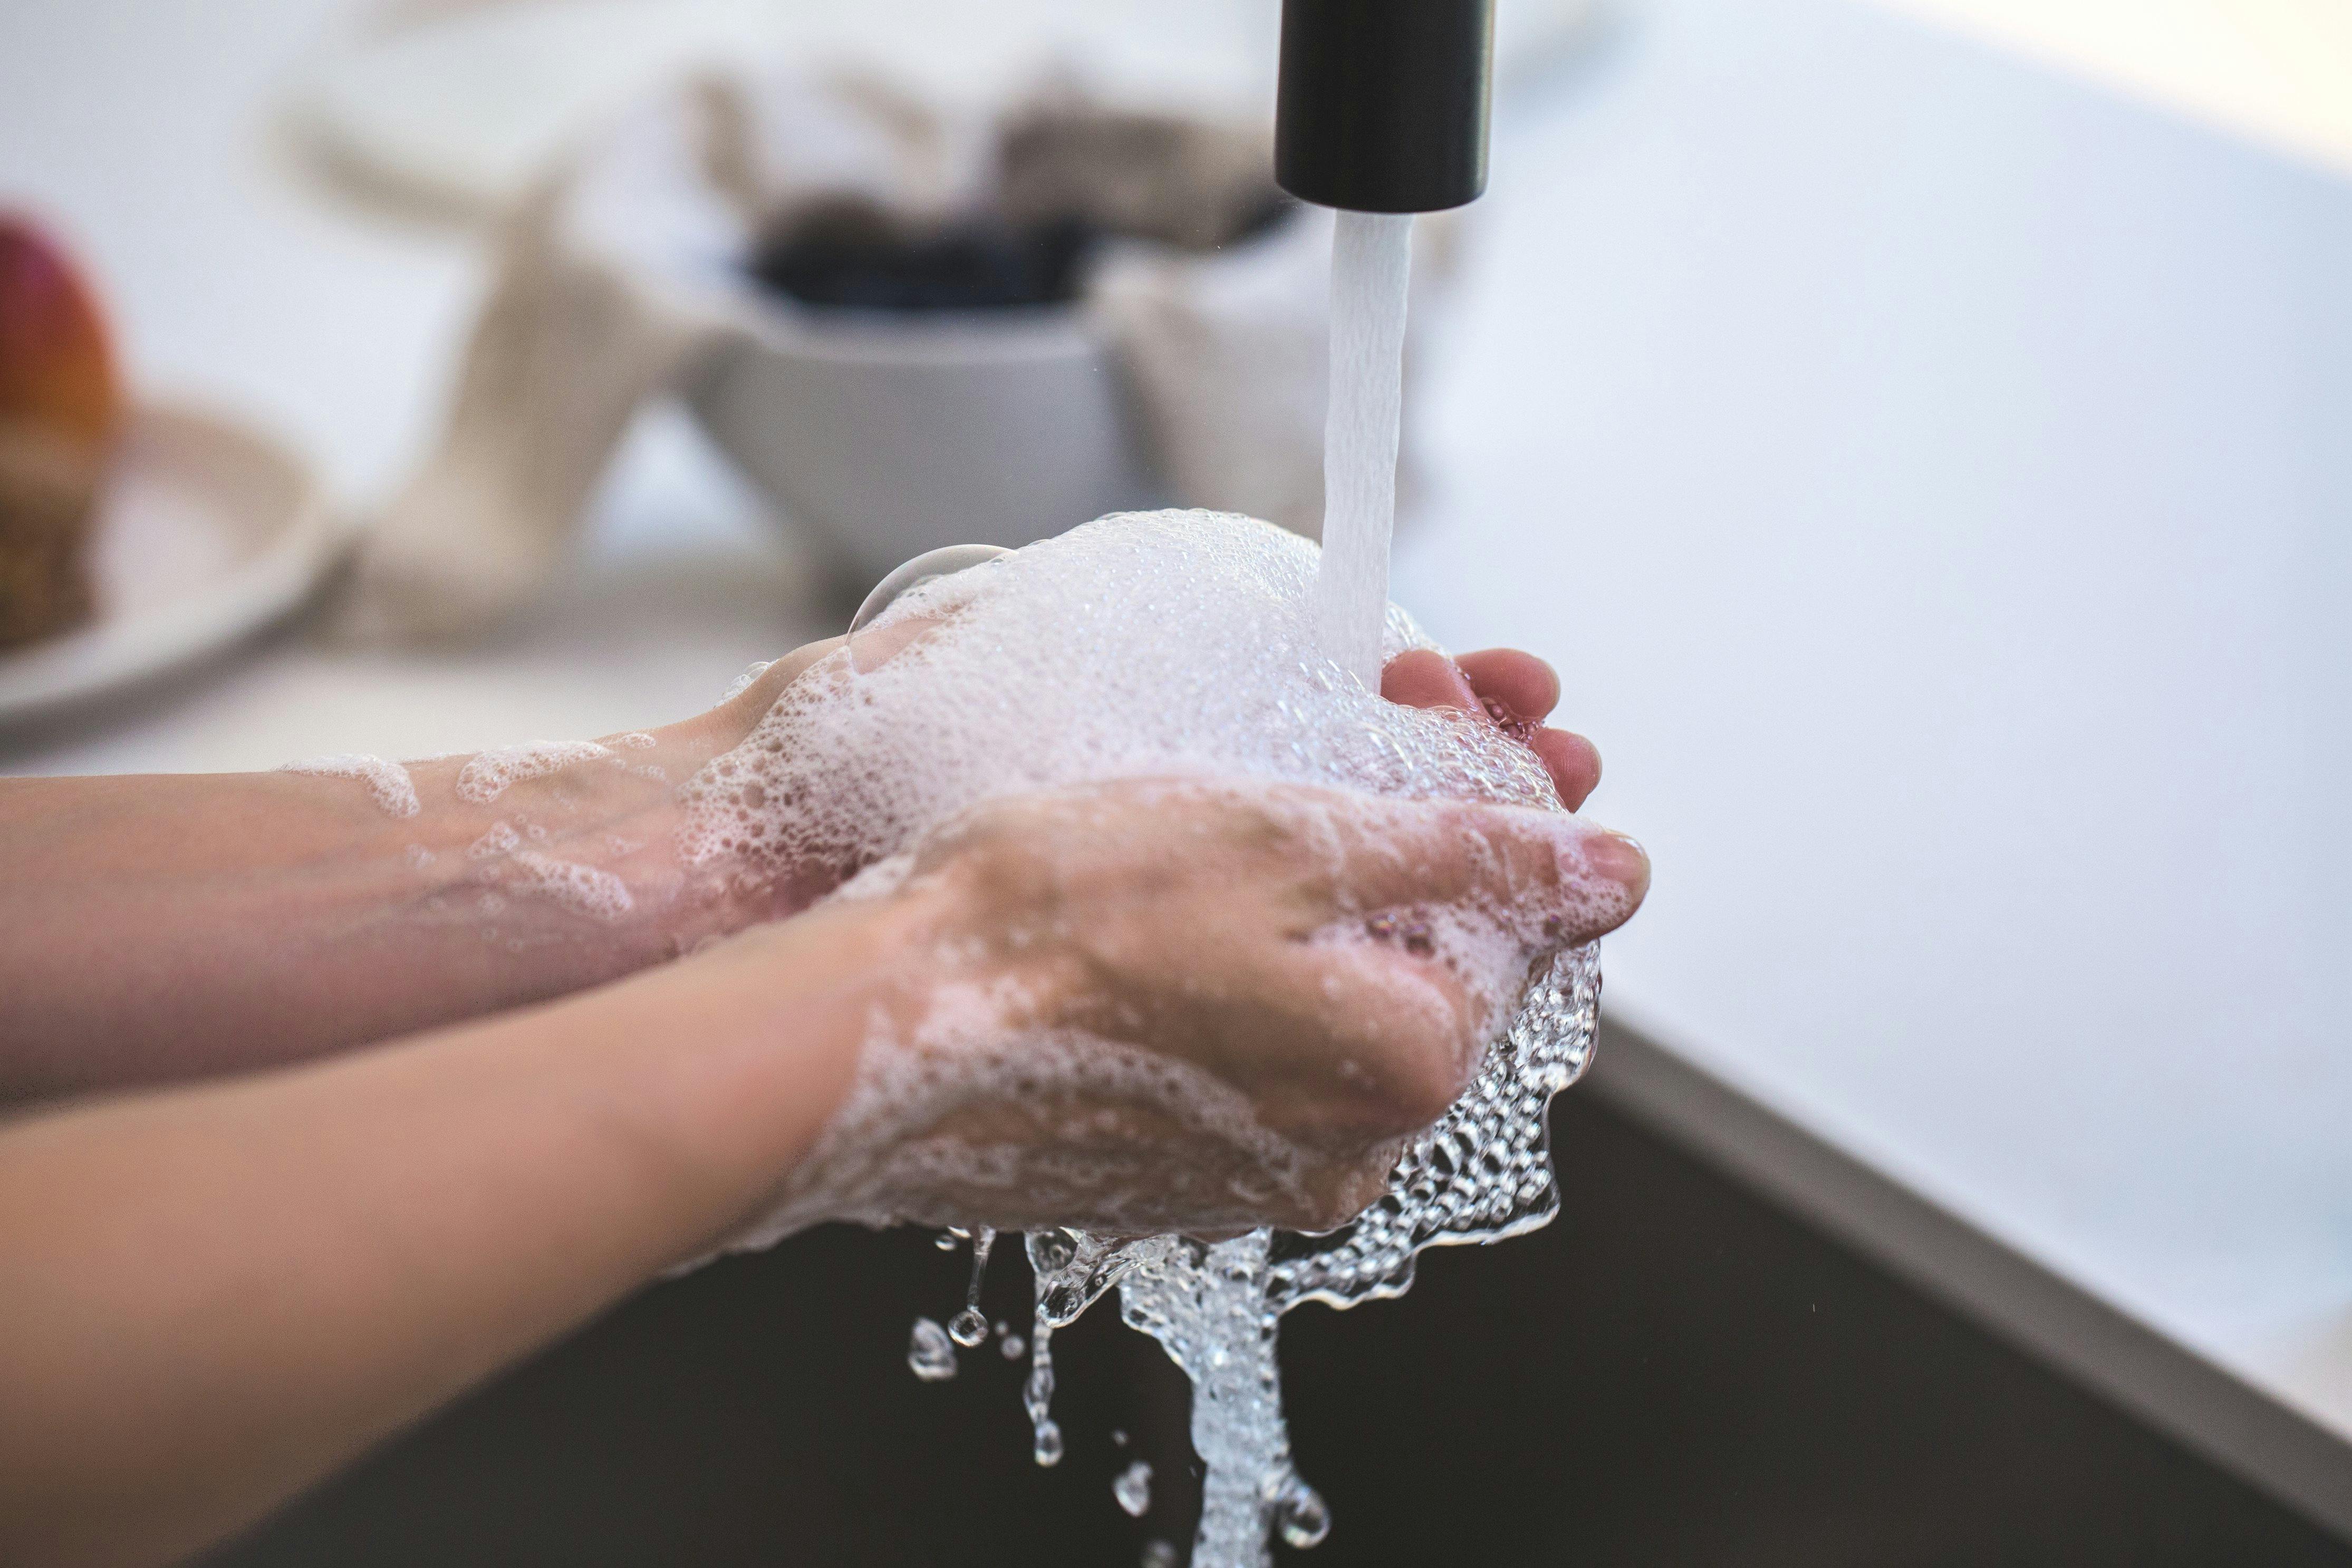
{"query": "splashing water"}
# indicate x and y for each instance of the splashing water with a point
(1483, 1173)
(931, 1354)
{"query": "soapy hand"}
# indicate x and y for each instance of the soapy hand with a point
(1153, 1005)
(1178, 1005)
(1514, 690)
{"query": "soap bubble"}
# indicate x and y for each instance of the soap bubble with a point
(1300, 1515)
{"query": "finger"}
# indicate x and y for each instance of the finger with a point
(1573, 762)
(1578, 880)
(878, 645)
(1406, 1032)
(1423, 677)
(748, 705)
(1524, 686)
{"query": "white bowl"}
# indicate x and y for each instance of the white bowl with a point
(885, 435)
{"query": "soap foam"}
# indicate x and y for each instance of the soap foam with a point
(492, 773)
(388, 782)
(497, 841)
(1182, 647)
(1158, 644)
(582, 889)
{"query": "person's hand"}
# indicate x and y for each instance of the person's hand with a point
(1157, 1004)
(1514, 690)
(574, 861)
(523, 867)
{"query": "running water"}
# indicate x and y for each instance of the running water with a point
(1371, 260)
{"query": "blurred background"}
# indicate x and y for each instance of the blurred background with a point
(1920, 432)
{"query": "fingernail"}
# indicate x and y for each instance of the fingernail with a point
(1620, 859)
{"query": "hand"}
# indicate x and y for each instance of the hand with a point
(1514, 690)
(1153, 1005)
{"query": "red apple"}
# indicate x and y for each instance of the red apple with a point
(56, 360)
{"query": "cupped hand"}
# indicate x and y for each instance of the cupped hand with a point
(1178, 1005)
(1514, 690)
(620, 818)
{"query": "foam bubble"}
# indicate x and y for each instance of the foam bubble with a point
(1141, 645)
(742, 682)
(582, 889)
(388, 782)
(499, 840)
(492, 773)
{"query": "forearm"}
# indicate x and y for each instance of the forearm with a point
(169, 927)
(216, 1294)
(164, 928)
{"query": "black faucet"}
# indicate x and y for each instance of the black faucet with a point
(1382, 103)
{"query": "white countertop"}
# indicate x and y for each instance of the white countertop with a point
(1930, 475)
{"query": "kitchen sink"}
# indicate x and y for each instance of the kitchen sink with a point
(1676, 1372)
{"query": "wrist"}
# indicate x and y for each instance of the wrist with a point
(566, 862)
(741, 1058)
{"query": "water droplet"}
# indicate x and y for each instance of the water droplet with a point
(1300, 1514)
(1053, 1248)
(968, 1327)
(1015, 1347)
(1133, 1489)
(1048, 1450)
(929, 1353)
(1119, 1435)
(1160, 1554)
(945, 1241)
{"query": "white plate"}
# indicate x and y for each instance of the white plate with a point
(461, 112)
(206, 532)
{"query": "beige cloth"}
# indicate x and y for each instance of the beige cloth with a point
(625, 267)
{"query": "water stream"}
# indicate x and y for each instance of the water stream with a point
(1371, 260)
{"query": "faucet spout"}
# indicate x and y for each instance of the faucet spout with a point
(1382, 104)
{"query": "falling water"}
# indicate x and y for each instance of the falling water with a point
(1483, 1173)
(1371, 256)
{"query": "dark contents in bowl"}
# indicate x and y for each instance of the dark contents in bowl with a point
(851, 254)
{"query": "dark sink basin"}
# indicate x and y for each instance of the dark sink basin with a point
(1676, 1372)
